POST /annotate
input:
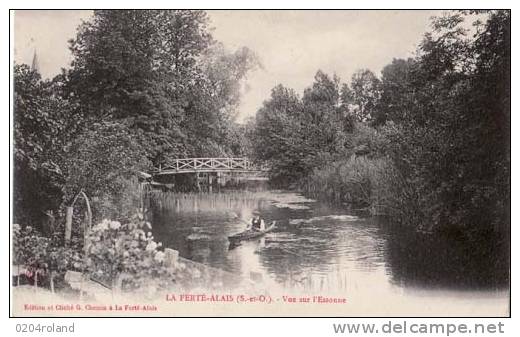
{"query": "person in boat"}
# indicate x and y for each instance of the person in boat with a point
(256, 223)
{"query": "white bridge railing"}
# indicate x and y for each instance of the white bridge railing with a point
(186, 165)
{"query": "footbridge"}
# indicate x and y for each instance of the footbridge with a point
(208, 165)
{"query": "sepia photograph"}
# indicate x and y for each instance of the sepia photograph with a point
(260, 163)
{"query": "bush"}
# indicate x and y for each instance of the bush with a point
(126, 253)
(358, 181)
(120, 204)
(122, 255)
(103, 163)
(43, 258)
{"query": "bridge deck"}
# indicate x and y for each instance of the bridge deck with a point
(195, 165)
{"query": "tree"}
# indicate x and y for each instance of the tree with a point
(397, 92)
(322, 131)
(162, 74)
(277, 134)
(347, 108)
(44, 124)
(452, 149)
(103, 161)
(296, 135)
(214, 101)
(364, 94)
(138, 66)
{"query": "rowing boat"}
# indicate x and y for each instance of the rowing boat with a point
(251, 233)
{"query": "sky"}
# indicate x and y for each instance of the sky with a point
(292, 45)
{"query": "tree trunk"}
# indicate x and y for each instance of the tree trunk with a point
(68, 224)
(52, 281)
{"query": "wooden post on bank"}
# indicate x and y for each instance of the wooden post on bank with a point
(68, 223)
(87, 220)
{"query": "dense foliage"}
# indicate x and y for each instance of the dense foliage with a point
(293, 134)
(43, 259)
(143, 87)
(427, 142)
(126, 254)
(161, 74)
(44, 125)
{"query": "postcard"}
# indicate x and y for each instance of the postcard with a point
(261, 163)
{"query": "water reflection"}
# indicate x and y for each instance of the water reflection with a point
(418, 260)
(318, 248)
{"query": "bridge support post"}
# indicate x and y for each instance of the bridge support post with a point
(219, 180)
(197, 181)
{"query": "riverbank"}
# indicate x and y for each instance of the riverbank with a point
(92, 296)
(316, 250)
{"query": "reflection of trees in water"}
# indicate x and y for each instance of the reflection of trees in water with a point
(205, 202)
(287, 268)
(176, 216)
(318, 252)
(209, 252)
(319, 257)
(432, 261)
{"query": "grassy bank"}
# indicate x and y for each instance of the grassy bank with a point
(366, 184)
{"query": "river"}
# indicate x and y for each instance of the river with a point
(320, 249)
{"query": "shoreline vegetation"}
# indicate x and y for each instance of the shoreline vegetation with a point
(143, 86)
(426, 143)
